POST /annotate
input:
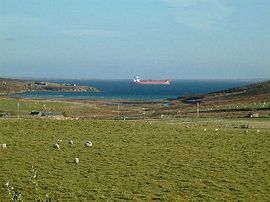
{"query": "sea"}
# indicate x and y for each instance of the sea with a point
(126, 90)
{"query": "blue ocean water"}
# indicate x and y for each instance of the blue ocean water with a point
(125, 89)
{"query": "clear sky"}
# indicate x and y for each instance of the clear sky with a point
(116, 39)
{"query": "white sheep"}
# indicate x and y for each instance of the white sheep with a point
(88, 144)
(258, 131)
(216, 129)
(4, 145)
(56, 146)
(71, 142)
(204, 129)
(76, 160)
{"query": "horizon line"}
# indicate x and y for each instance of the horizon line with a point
(111, 79)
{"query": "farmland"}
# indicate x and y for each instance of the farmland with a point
(166, 150)
(118, 109)
(136, 160)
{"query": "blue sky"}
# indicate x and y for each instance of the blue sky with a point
(116, 39)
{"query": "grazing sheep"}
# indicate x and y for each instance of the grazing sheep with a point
(204, 129)
(88, 144)
(258, 131)
(216, 129)
(76, 160)
(56, 146)
(71, 142)
(4, 145)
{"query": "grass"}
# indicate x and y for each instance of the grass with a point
(94, 109)
(72, 109)
(26, 106)
(134, 160)
(91, 109)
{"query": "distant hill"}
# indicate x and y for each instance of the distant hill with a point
(257, 91)
(9, 86)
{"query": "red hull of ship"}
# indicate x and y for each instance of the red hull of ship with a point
(154, 82)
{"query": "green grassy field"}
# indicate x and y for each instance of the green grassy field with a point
(134, 160)
(102, 109)
(26, 106)
(72, 109)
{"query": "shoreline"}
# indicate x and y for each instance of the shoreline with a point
(16, 86)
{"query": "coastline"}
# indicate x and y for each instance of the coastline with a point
(17, 86)
(225, 103)
(125, 90)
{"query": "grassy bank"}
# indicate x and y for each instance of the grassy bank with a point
(134, 160)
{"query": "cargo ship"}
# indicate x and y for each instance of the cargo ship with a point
(137, 80)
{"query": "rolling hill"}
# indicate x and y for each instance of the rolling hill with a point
(259, 91)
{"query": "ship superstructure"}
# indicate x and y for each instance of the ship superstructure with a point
(137, 80)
